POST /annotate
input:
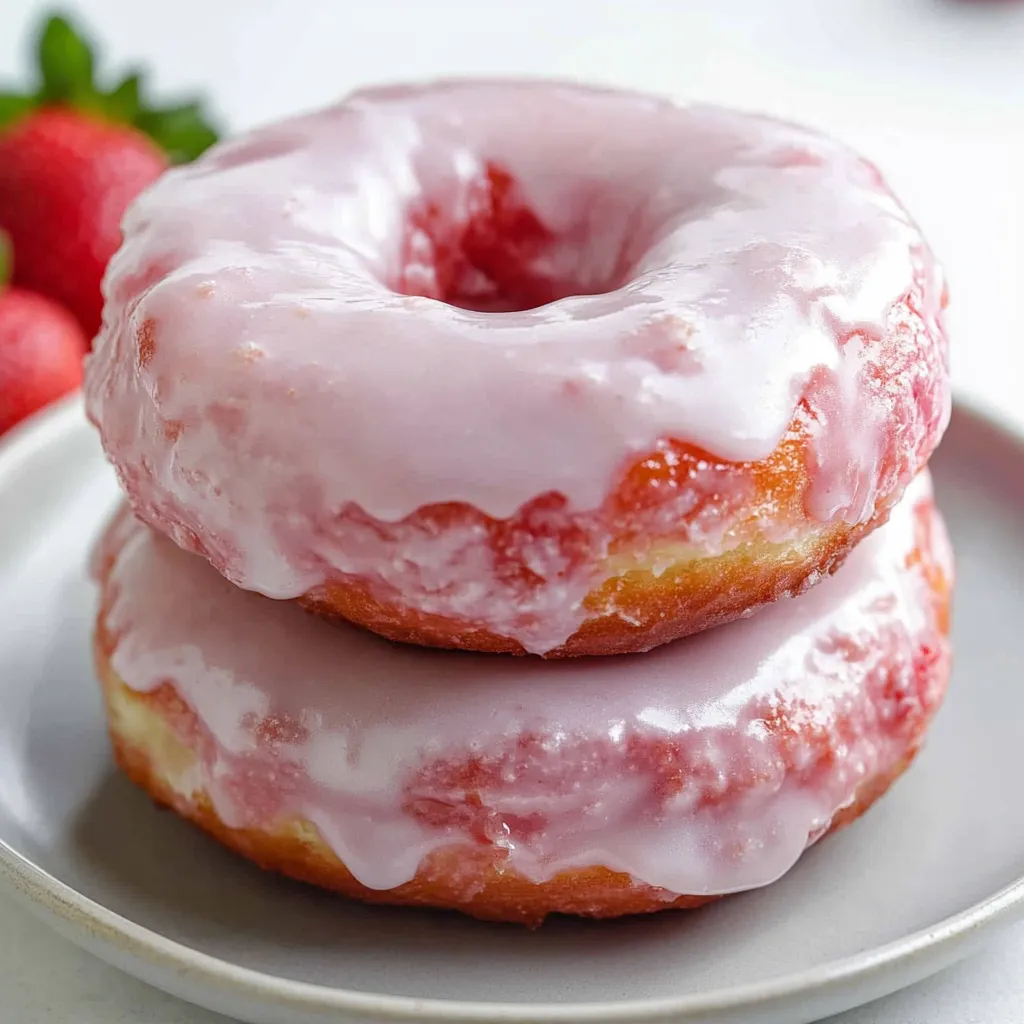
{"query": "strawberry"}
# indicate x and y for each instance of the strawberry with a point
(65, 182)
(41, 350)
(72, 158)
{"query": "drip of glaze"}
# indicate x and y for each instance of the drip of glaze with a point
(706, 766)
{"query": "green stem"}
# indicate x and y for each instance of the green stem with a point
(6, 259)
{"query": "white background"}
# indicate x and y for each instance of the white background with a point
(932, 90)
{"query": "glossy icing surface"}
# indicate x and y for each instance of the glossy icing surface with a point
(281, 384)
(703, 767)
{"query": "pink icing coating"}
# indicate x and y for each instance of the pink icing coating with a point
(270, 397)
(706, 766)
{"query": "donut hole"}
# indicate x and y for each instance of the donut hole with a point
(484, 248)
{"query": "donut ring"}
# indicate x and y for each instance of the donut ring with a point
(406, 776)
(392, 360)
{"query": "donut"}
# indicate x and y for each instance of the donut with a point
(521, 367)
(511, 789)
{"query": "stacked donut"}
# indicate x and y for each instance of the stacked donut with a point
(528, 504)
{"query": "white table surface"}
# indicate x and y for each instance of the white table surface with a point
(932, 90)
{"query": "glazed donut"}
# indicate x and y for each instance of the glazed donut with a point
(521, 367)
(509, 789)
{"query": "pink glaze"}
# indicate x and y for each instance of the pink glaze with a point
(272, 399)
(706, 766)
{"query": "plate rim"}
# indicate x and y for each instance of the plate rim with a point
(96, 927)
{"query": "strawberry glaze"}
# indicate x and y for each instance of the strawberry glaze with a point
(704, 767)
(355, 344)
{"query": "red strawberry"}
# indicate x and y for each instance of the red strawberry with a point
(72, 158)
(65, 182)
(41, 350)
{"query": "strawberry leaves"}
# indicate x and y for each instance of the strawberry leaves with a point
(181, 131)
(13, 107)
(65, 64)
(6, 259)
(67, 79)
(124, 101)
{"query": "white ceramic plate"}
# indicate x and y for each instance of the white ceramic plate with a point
(894, 898)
